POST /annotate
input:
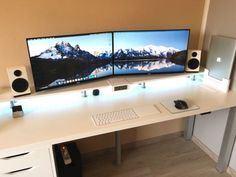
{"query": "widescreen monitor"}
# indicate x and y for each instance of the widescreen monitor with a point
(146, 52)
(63, 60)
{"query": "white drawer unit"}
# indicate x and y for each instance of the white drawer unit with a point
(29, 172)
(35, 163)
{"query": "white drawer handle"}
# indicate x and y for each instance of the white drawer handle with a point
(18, 171)
(13, 156)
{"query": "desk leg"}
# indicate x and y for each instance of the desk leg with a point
(118, 147)
(189, 126)
(228, 142)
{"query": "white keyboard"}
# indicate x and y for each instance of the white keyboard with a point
(114, 116)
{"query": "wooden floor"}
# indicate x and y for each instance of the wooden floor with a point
(173, 157)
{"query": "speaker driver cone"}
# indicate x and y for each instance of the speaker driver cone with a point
(20, 85)
(193, 63)
(194, 54)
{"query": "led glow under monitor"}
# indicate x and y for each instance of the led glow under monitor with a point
(146, 52)
(63, 60)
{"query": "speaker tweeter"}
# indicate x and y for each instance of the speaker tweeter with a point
(19, 82)
(193, 61)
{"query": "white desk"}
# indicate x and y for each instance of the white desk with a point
(57, 117)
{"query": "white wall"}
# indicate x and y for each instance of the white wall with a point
(221, 21)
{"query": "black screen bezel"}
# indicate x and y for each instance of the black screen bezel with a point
(113, 72)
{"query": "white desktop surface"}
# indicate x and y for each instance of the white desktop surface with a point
(64, 116)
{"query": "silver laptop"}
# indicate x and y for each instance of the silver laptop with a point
(221, 57)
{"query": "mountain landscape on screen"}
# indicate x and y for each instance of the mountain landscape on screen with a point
(150, 58)
(64, 50)
(147, 52)
(63, 61)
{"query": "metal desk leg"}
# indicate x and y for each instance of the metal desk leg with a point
(228, 142)
(118, 147)
(189, 126)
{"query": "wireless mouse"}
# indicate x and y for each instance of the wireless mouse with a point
(181, 104)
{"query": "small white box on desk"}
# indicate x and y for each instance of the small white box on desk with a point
(119, 84)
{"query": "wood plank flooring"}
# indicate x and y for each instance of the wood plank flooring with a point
(172, 157)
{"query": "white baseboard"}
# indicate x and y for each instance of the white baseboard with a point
(209, 152)
(231, 172)
(212, 155)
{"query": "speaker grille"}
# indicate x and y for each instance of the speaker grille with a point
(193, 63)
(20, 85)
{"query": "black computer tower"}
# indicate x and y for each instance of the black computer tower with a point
(74, 169)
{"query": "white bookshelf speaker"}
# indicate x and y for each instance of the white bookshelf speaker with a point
(19, 82)
(193, 61)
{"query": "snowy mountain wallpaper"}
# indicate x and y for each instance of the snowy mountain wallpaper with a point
(150, 51)
(64, 60)
(58, 61)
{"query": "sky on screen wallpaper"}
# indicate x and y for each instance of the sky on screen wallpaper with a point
(92, 43)
(126, 40)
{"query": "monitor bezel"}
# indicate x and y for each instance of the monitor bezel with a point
(151, 73)
(74, 83)
(112, 58)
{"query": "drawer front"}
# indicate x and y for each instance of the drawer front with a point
(24, 160)
(37, 171)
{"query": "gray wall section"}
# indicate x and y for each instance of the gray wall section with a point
(221, 20)
(233, 159)
(209, 129)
